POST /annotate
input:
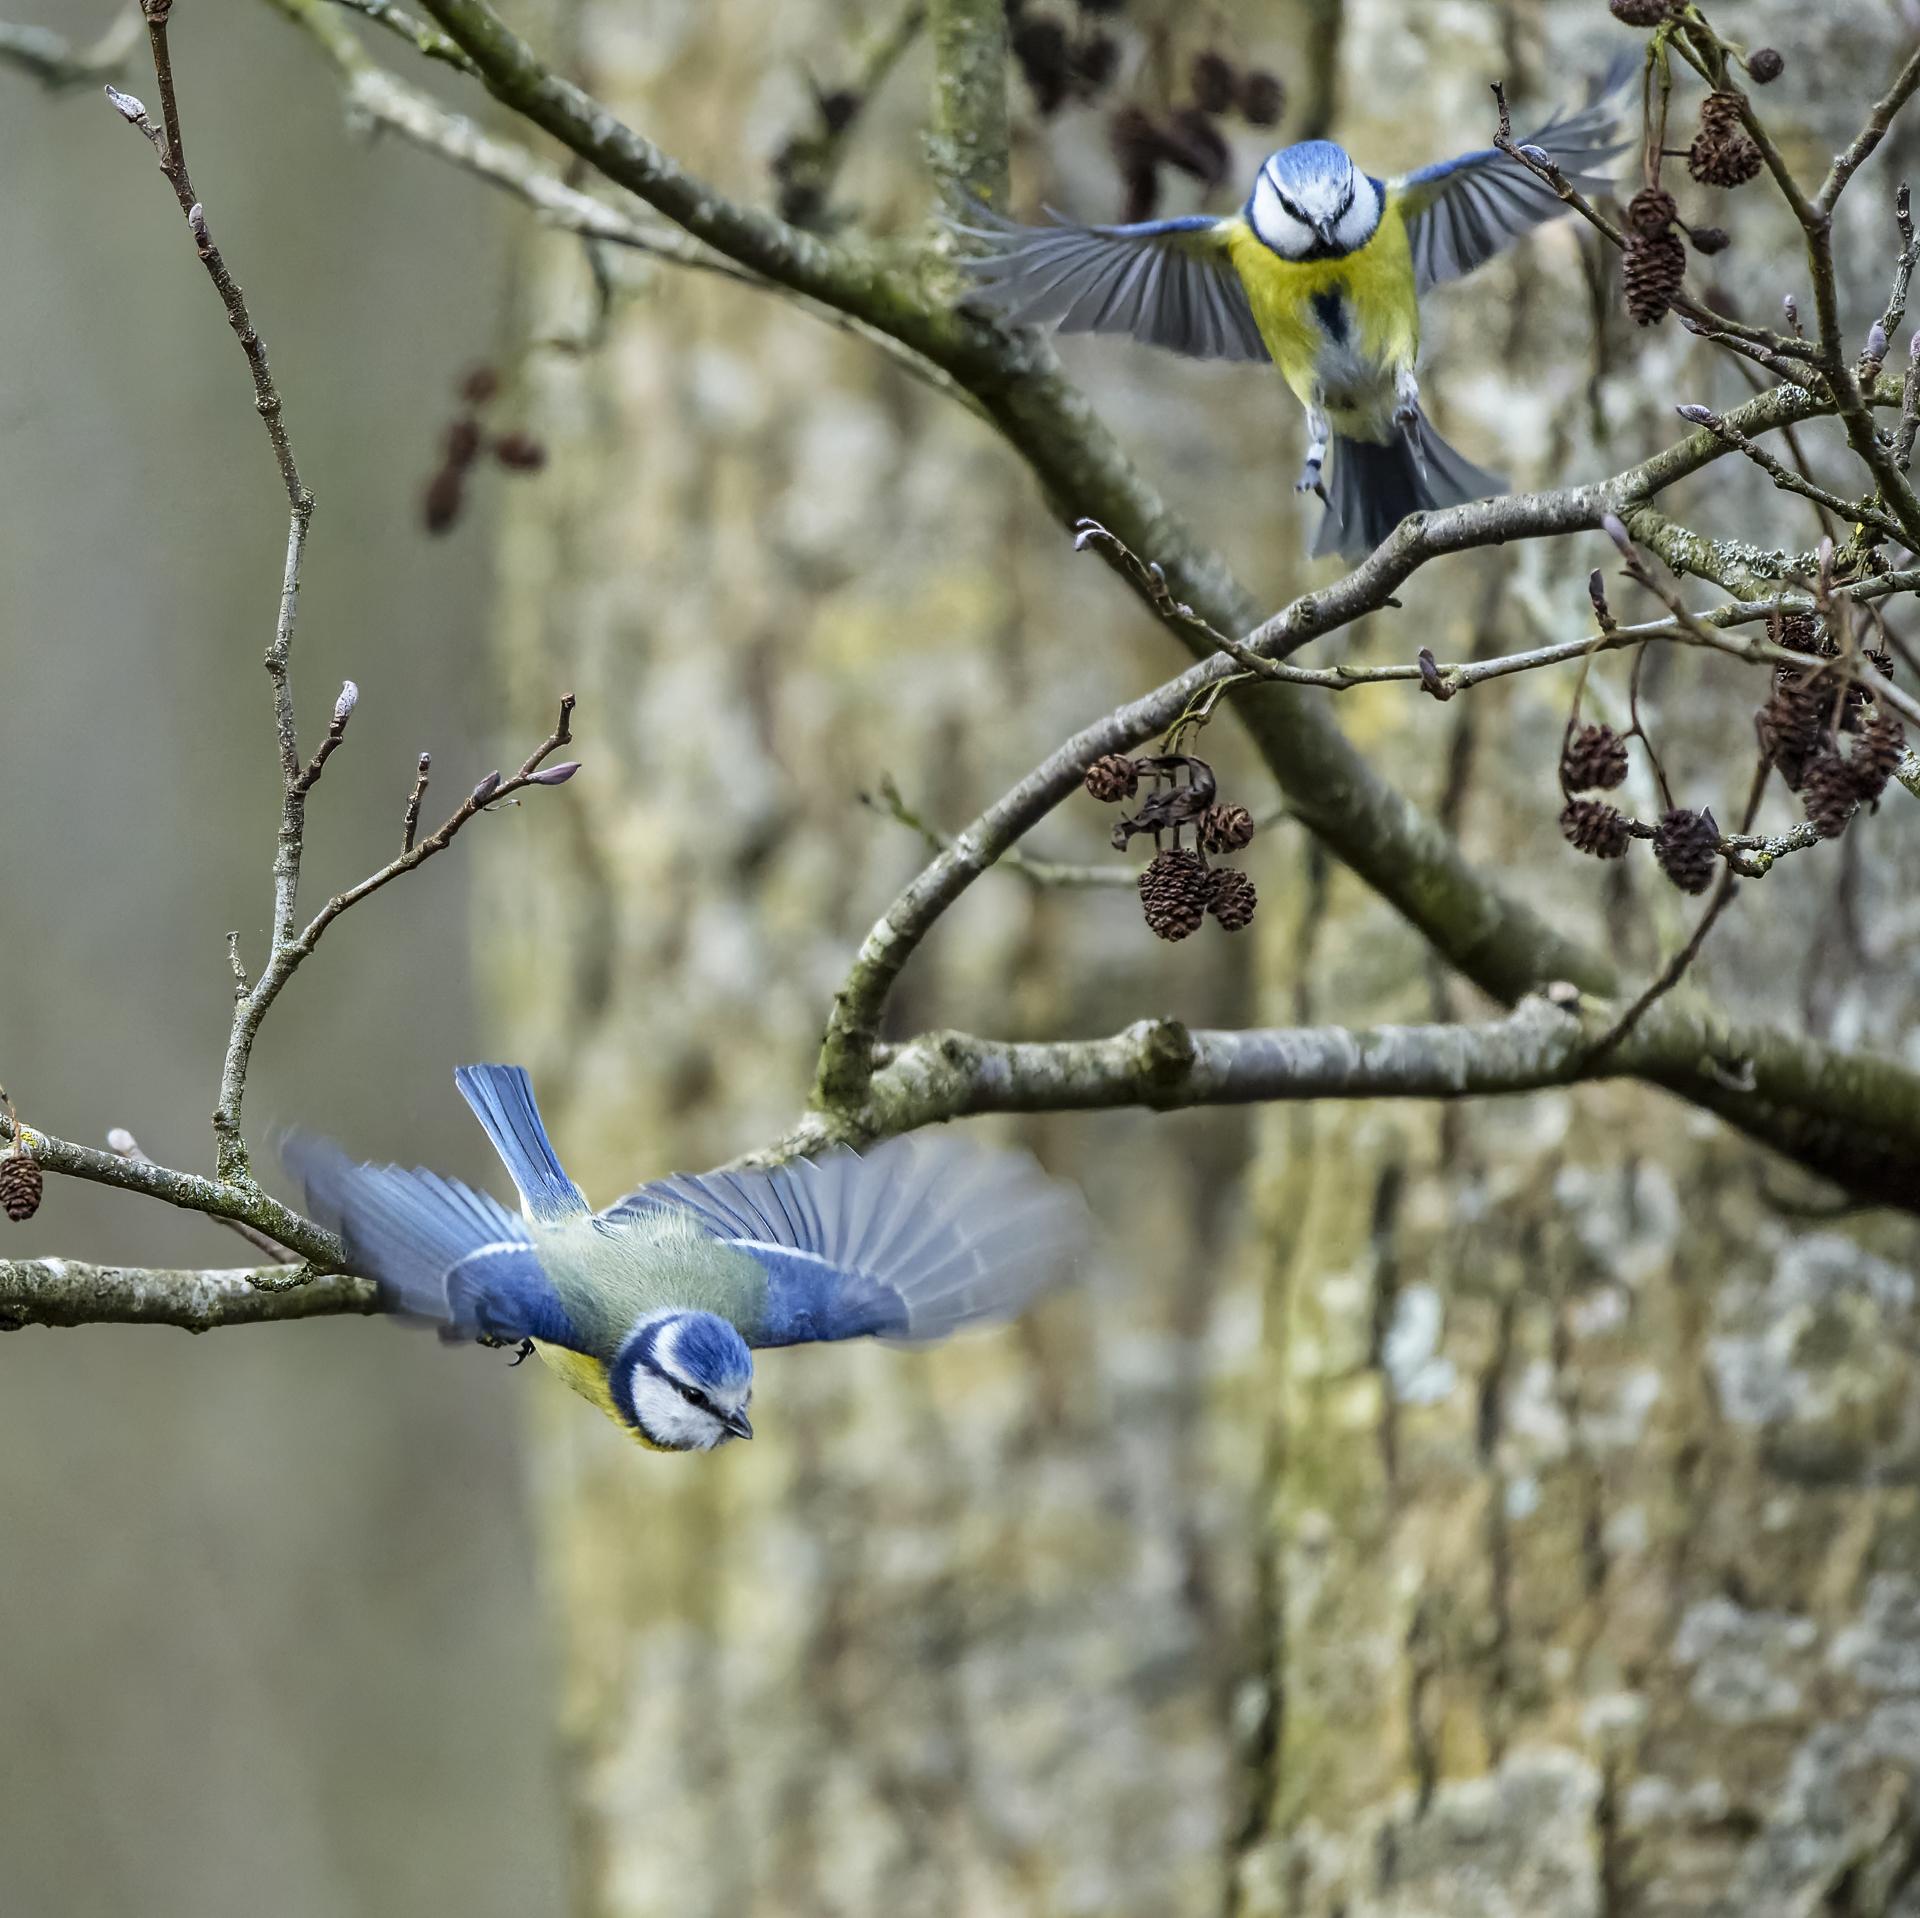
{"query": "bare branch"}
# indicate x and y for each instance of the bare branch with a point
(68, 1292)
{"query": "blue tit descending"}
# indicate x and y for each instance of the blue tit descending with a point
(652, 1308)
(1321, 271)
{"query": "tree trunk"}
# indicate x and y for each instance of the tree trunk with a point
(1424, 1511)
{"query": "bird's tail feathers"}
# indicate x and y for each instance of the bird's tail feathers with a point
(502, 1100)
(1371, 487)
(414, 1233)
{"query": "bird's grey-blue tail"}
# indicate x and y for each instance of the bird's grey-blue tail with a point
(502, 1100)
(1372, 488)
(439, 1250)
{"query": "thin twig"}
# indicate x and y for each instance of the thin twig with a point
(410, 821)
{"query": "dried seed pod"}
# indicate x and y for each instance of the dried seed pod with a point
(1112, 778)
(1039, 44)
(1799, 633)
(1642, 13)
(1683, 843)
(1731, 161)
(1710, 239)
(441, 503)
(1723, 153)
(1095, 59)
(1765, 65)
(1592, 826)
(1877, 753)
(1263, 98)
(20, 1186)
(1134, 138)
(1881, 661)
(1595, 758)
(1226, 828)
(1652, 211)
(463, 441)
(1232, 898)
(1791, 727)
(1196, 146)
(838, 107)
(1214, 81)
(479, 384)
(1653, 267)
(1828, 793)
(1174, 891)
(520, 452)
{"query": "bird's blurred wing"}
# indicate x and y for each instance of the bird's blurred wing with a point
(909, 1241)
(1167, 282)
(1461, 212)
(439, 1250)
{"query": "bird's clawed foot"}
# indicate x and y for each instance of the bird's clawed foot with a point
(1309, 480)
(524, 1350)
(1406, 402)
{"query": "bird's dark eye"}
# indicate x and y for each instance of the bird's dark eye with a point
(691, 1396)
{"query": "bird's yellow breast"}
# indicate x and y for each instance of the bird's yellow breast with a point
(588, 1377)
(1373, 288)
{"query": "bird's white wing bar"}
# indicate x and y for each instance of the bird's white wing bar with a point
(1164, 282)
(913, 1240)
(1461, 212)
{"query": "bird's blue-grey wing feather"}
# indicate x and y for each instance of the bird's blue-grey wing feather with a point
(911, 1240)
(1460, 212)
(1168, 283)
(439, 1250)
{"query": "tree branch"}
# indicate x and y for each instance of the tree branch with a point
(67, 1292)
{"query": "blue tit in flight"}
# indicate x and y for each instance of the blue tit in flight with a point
(1322, 272)
(652, 1309)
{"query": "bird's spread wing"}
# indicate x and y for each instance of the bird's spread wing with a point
(1461, 212)
(1167, 282)
(439, 1250)
(911, 1241)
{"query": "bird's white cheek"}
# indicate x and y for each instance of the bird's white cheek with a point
(1275, 225)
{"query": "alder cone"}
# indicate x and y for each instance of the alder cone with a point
(1112, 778)
(1174, 893)
(1226, 828)
(1592, 826)
(1232, 899)
(1594, 759)
(1683, 843)
(1829, 793)
(20, 1186)
(1876, 755)
(1654, 265)
(1642, 13)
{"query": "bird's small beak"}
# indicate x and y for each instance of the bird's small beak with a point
(1324, 228)
(737, 1424)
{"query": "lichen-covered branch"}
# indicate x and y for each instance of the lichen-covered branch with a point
(69, 1292)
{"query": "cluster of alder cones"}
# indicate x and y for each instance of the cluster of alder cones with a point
(1179, 888)
(1686, 844)
(1075, 56)
(1830, 741)
(1722, 154)
(1827, 737)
